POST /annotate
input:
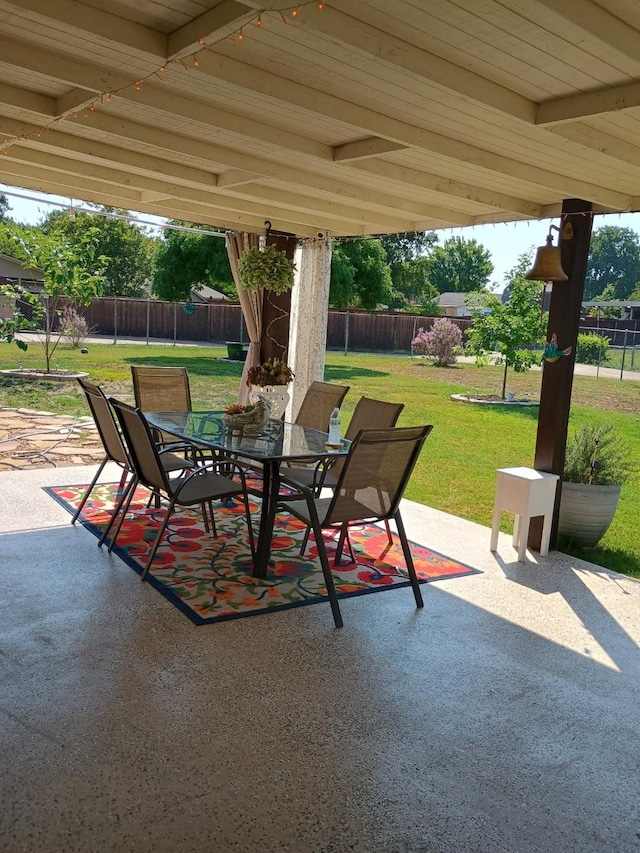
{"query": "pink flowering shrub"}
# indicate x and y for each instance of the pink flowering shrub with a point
(443, 342)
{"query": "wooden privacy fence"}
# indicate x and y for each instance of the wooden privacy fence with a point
(219, 322)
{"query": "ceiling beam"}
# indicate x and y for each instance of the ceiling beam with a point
(101, 26)
(214, 25)
(586, 18)
(364, 148)
(99, 194)
(123, 155)
(576, 107)
(423, 66)
(370, 121)
(74, 99)
(333, 215)
(237, 177)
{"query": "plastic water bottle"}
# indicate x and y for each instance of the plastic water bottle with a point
(334, 428)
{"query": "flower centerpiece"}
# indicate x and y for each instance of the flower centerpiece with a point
(273, 371)
(269, 381)
(249, 418)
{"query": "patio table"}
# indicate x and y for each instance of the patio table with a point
(278, 442)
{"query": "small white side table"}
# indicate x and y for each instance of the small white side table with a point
(527, 493)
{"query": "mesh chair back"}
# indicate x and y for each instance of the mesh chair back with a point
(368, 414)
(105, 423)
(161, 389)
(372, 414)
(141, 446)
(319, 401)
(376, 473)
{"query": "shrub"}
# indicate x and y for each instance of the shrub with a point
(442, 342)
(75, 329)
(596, 456)
(592, 349)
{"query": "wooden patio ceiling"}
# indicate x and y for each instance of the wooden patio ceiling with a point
(361, 117)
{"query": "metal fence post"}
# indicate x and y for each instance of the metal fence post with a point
(346, 333)
(175, 322)
(624, 351)
(148, 318)
(115, 321)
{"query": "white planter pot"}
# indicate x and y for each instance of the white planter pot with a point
(276, 395)
(587, 511)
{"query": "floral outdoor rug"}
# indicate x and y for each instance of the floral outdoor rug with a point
(209, 579)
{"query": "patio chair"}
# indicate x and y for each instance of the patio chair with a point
(115, 451)
(318, 403)
(368, 414)
(200, 486)
(161, 389)
(369, 489)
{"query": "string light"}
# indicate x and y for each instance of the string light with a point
(108, 96)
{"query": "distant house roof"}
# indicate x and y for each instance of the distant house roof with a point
(452, 299)
(12, 270)
(207, 294)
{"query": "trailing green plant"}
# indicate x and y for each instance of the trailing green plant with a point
(596, 456)
(592, 349)
(266, 269)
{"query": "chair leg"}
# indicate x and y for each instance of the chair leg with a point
(344, 537)
(326, 569)
(123, 512)
(409, 560)
(205, 515)
(89, 490)
(247, 513)
(116, 509)
(389, 533)
(305, 541)
(163, 527)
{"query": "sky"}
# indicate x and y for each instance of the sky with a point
(505, 241)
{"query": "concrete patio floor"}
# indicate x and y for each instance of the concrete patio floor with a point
(502, 717)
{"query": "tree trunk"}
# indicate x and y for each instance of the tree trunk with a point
(504, 379)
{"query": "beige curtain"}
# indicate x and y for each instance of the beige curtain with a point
(250, 302)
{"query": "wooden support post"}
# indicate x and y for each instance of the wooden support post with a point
(557, 377)
(276, 308)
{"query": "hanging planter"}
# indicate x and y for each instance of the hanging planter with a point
(266, 269)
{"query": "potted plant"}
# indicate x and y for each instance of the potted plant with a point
(269, 381)
(267, 268)
(597, 465)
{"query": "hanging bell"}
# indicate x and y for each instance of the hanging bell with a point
(547, 266)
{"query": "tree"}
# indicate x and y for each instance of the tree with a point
(4, 207)
(609, 311)
(459, 266)
(614, 258)
(185, 261)
(411, 286)
(66, 278)
(506, 331)
(360, 276)
(406, 256)
(128, 251)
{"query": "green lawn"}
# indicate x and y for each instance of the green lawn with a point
(456, 472)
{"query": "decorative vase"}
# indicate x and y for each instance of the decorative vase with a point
(586, 511)
(277, 396)
(251, 422)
